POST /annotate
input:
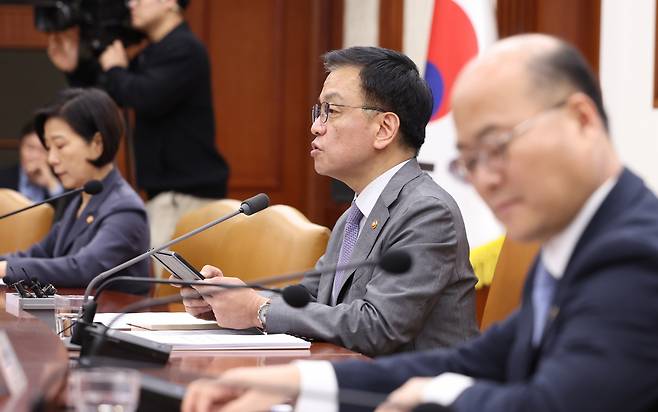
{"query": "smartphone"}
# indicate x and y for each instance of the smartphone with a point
(177, 265)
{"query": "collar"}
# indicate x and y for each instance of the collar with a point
(182, 26)
(32, 191)
(366, 200)
(556, 252)
(97, 200)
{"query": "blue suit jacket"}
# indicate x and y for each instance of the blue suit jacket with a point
(111, 229)
(599, 351)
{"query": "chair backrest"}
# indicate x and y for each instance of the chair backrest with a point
(507, 285)
(277, 240)
(199, 248)
(20, 231)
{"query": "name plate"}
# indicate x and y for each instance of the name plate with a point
(12, 371)
(14, 303)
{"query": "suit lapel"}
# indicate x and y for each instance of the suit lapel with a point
(379, 214)
(331, 256)
(88, 216)
(66, 225)
(366, 239)
(523, 352)
(621, 196)
(524, 358)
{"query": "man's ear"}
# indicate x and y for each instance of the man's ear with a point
(584, 111)
(389, 125)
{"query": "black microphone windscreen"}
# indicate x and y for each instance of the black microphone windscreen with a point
(255, 204)
(395, 261)
(296, 296)
(93, 187)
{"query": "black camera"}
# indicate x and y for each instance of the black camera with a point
(100, 21)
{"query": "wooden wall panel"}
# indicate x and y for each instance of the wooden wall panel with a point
(575, 21)
(326, 33)
(17, 28)
(578, 22)
(247, 89)
(516, 16)
(391, 16)
(266, 73)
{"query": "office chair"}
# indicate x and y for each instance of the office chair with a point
(22, 230)
(507, 284)
(277, 240)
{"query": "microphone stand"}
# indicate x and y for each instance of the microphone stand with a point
(105, 284)
(100, 278)
(59, 196)
(92, 187)
(248, 207)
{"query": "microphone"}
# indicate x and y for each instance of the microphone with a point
(297, 296)
(100, 341)
(136, 279)
(255, 204)
(92, 187)
(394, 261)
(248, 207)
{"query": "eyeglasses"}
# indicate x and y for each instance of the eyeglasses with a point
(322, 110)
(493, 152)
(134, 3)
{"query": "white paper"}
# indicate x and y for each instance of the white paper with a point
(156, 321)
(223, 339)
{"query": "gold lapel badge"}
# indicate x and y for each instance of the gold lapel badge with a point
(374, 224)
(90, 219)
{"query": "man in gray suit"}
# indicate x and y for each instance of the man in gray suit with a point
(369, 125)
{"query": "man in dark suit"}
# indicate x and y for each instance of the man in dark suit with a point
(533, 140)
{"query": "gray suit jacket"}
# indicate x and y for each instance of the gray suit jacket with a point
(111, 229)
(432, 305)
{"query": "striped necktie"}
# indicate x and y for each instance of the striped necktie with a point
(350, 235)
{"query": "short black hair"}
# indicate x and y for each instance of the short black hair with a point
(26, 130)
(566, 65)
(183, 4)
(87, 112)
(391, 81)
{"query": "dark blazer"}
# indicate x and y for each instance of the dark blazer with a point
(168, 86)
(599, 351)
(431, 306)
(111, 229)
(9, 177)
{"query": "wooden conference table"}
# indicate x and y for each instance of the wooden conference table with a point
(43, 357)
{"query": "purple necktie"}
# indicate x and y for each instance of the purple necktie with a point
(350, 235)
(542, 294)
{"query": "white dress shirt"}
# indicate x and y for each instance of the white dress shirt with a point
(366, 200)
(324, 391)
(319, 386)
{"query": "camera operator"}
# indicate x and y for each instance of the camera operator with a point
(168, 86)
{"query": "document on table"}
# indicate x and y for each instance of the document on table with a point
(156, 321)
(223, 339)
